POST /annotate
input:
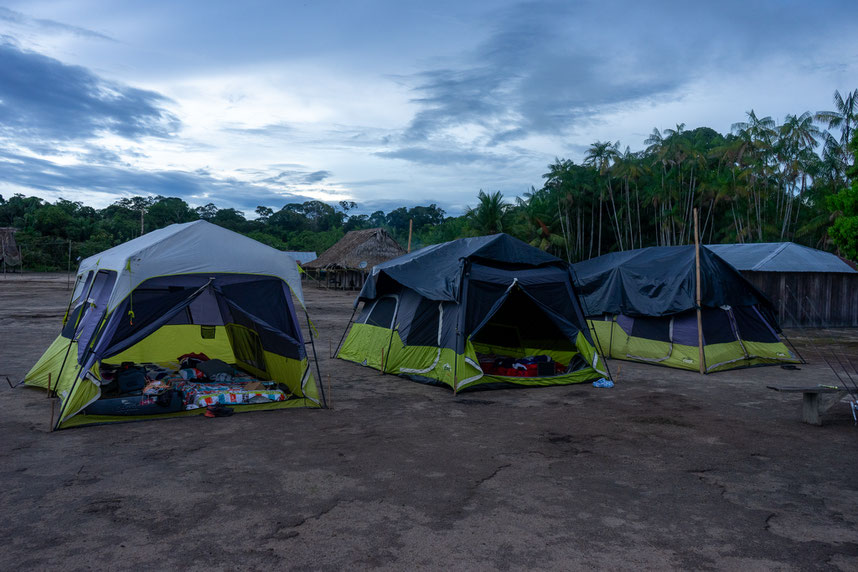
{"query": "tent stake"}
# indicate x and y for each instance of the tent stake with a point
(699, 312)
(382, 362)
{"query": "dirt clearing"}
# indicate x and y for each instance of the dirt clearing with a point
(669, 469)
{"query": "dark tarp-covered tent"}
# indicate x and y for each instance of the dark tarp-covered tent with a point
(437, 313)
(642, 307)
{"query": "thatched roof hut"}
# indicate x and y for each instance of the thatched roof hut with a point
(347, 263)
(10, 255)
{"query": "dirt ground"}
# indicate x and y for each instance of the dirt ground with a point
(667, 470)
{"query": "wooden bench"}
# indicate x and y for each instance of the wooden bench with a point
(813, 404)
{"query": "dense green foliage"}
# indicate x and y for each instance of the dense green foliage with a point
(761, 182)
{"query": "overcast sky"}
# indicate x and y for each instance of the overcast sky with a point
(385, 103)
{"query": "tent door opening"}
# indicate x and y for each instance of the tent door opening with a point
(519, 339)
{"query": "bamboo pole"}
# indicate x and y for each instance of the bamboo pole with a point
(53, 401)
(68, 270)
(699, 297)
(410, 228)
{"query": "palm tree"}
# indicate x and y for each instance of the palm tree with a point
(537, 210)
(760, 133)
(601, 155)
(798, 138)
(845, 116)
(490, 215)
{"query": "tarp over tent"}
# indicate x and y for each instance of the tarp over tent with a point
(193, 287)
(642, 306)
(432, 313)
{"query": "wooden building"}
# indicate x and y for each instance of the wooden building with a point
(347, 263)
(809, 287)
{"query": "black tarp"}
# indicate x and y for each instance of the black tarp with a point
(435, 272)
(661, 281)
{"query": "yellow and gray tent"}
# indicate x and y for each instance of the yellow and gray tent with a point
(186, 288)
(429, 315)
(641, 305)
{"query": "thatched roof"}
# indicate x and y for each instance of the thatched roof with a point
(9, 252)
(372, 246)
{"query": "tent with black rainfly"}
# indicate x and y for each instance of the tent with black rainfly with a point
(641, 305)
(449, 313)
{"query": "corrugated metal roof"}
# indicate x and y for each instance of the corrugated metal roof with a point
(779, 257)
(300, 256)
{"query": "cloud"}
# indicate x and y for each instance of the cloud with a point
(550, 68)
(104, 183)
(316, 176)
(43, 98)
(274, 130)
(296, 177)
(13, 17)
(430, 156)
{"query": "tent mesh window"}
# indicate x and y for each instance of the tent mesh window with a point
(424, 325)
(382, 313)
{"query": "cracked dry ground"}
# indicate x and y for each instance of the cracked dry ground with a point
(666, 470)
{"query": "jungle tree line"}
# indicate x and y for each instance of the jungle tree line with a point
(761, 182)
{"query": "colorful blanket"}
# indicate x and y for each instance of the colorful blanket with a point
(197, 394)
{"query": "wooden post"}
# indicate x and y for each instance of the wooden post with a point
(410, 228)
(699, 297)
(53, 401)
(68, 270)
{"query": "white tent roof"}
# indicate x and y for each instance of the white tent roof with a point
(190, 248)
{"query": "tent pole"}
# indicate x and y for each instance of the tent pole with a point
(393, 327)
(351, 319)
(316, 360)
(699, 312)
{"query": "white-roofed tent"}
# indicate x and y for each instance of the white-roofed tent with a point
(186, 288)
